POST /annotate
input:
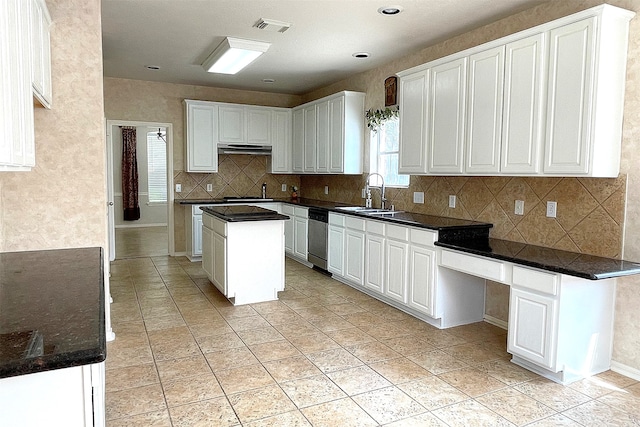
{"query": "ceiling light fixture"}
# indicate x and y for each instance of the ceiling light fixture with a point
(232, 55)
(268, 81)
(361, 55)
(390, 10)
(152, 67)
(272, 25)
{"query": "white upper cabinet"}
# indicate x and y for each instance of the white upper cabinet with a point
(484, 116)
(41, 52)
(545, 101)
(328, 135)
(413, 116)
(281, 160)
(202, 153)
(239, 124)
(522, 132)
(445, 127)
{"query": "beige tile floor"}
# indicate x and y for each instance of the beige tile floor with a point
(141, 241)
(323, 355)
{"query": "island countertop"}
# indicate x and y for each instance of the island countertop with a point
(240, 213)
(51, 310)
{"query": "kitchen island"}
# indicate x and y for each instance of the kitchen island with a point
(52, 338)
(243, 252)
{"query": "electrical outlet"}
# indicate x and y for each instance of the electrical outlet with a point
(326, 189)
(552, 209)
(209, 187)
(452, 200)
(418, 197)
(284, 187)
(519, 210)
(178, 188)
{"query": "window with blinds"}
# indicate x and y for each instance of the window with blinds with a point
(157, 168)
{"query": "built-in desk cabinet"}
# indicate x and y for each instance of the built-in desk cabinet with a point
(547, 101)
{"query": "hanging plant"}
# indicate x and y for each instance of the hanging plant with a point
(376, 118)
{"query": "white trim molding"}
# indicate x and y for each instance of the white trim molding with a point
(496, 322)
(625, 370)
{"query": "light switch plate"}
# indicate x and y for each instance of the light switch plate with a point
(519, 209)
(209, 187)
(418, 197)
(552, 209)
(452, 200)
(284, 187)
(178, 188)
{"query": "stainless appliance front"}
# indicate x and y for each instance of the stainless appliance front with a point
(317, 237)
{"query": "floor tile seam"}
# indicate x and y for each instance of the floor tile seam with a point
(610, 405)
(200, 401)
(401, 391)
(512, 387)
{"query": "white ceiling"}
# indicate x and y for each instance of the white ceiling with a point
(177, 35)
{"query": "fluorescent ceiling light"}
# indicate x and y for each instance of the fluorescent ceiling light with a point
(232, 55)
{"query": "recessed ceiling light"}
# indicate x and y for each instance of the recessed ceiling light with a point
(361, 55)
(390, 10)
(268, 81)
(152, 67)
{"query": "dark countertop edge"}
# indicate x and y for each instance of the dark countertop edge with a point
(69, 359)
(546, 267)
(333, 207)
(257, 217)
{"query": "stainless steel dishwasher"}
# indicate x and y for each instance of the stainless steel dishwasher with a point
(317, 237)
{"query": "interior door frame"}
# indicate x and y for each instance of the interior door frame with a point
(110, 190)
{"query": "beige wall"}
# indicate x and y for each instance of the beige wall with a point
(144, 101)
(61, 203)
(612, 227)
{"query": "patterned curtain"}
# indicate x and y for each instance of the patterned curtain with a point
(129, 174)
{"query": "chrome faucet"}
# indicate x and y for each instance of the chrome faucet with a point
(368, 191)
(264, 190)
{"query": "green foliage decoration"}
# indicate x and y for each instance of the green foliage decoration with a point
(376, 118)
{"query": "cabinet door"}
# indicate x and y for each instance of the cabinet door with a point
(413, 117)
(522, 133)
(41, 52)
(335, 255)
(298, 141)
(231, 121)
(220, 262)
(374, 265)
(202, 153)
(258, 126)
(336, 135)
(281, 142)
(300, 233)
(569, 97)
(484, 116)
(197, 235)
(354, 249)
(322, 137)
(533, 327)
(421, 279)
(289, 235)
(310, 136)
(447, 101)
(396, 270)
(207, 244)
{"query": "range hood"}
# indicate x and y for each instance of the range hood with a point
(258, 150)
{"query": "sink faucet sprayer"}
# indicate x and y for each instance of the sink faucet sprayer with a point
(368, 191)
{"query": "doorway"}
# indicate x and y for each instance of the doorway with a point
(152, 233)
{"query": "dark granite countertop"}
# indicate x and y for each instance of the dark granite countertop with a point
(439, 223)
(241, 213)
(555, 260)
(51, 310)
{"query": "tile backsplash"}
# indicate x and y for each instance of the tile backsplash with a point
(590, 211)
(238, 175)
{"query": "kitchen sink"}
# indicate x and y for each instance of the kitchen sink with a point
(368, 211)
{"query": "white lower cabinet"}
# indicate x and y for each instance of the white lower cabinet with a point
(296, 230)
(335, 244)
(193, 232)
(375, 257)
(220, 262)
(300, 242)
(533, 327)
(422, 279)
(207, 242)
(395, 279)
(354, 250)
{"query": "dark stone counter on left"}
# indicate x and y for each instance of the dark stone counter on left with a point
(52, 313)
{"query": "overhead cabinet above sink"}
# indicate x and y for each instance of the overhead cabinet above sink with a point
(544, 101)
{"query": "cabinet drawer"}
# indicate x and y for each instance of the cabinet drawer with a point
(335, 219)
(302, 212)
(423, 237)
(288, 209)
(375, 227)
(477, 266)
(398, 232)
(535, 280)
(354, 223)
(214, 224)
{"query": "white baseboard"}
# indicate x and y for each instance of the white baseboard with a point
(625, 370)
(496, 322)
(141, 225)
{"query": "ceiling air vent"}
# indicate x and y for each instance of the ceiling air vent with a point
(272, 25)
